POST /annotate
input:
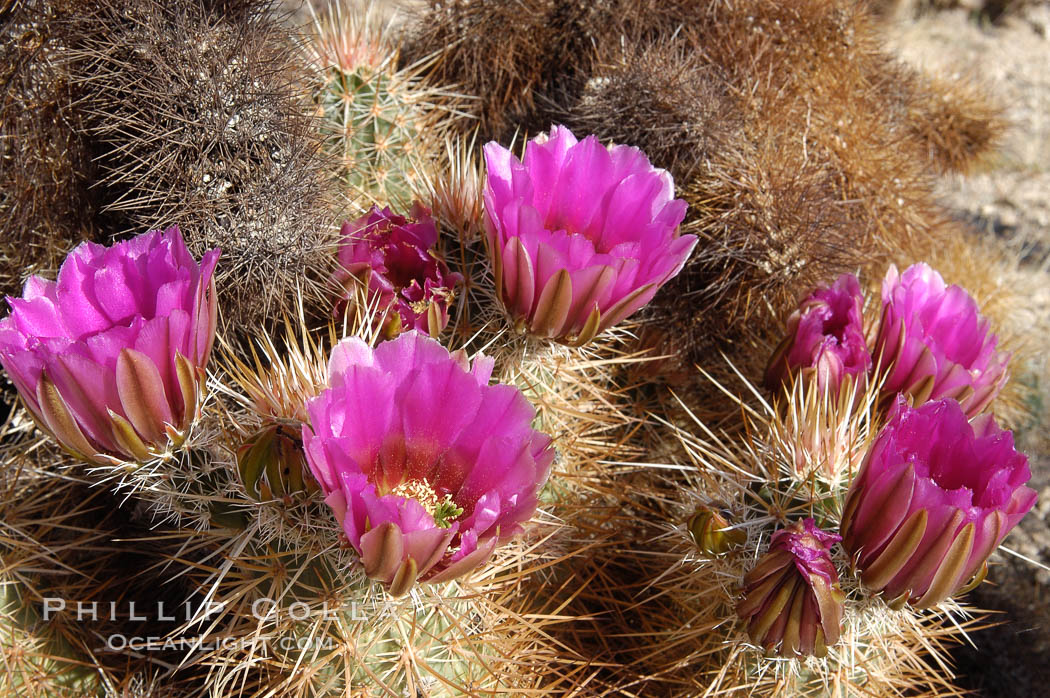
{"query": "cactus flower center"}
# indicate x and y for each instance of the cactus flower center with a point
(444, 510)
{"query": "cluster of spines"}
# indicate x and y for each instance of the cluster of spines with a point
(45, 164)
(506, 57)
(380, 123)
(66, 584)
(675, 600)
(333, 630)
(197, 115)
(792, 174)
(368, 130)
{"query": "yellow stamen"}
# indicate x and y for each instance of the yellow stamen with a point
(443, 510)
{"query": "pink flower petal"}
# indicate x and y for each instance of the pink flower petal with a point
(441, 426)
(141, 296)
(395, 257)
(932, 342)
(962, 477)
(577, 205)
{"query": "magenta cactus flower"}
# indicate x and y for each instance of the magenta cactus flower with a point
(933, 499)
(110, 358)
(407, 283)
(427, 466)
(932, 342)
(825, 338)
(580, 235)
(792, 603)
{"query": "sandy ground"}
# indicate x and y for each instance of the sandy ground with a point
(1011, 196)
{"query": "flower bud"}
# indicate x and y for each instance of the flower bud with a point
(792, 601)
(712, 533)
(825, 338)
(272, 465)
(404, 280)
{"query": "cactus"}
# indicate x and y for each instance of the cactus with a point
(318, 627)
(719, 94)
(659, 503)
(453, 190)
(197, 116)
(55, 546)
(37, 658)
(48, 529)
(45, 205)
(66, 581)
(749, 473)
(512, 60)
(378, 122)
(371, 130)
(254, 529)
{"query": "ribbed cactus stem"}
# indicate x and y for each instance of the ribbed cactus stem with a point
(37, 658)
(372, 127)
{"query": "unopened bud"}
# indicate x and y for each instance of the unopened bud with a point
(712, 533)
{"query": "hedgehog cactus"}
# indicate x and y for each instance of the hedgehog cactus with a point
(799, 456)
(195, 115)
(321, 628)
(370, 128)
(374, 118)
(35, 651)
(55, 549)
(356, 508)
(37, 658)
(444, 639)
(268, 408)
(752, 472)
(301, 599)
(45, 202)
